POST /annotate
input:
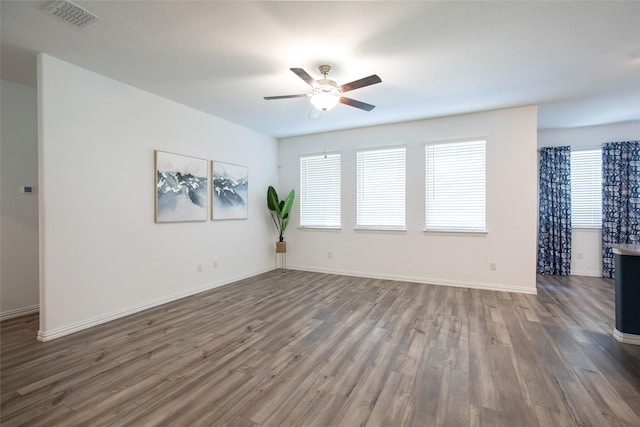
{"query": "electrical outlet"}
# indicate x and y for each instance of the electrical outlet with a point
(493, 266)
(580, 255)
(27, 189)
(215, 264)
(199, 268)
(329, 255)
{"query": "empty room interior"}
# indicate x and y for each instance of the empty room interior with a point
(320, 213)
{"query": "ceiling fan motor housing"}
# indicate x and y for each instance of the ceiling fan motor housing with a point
(327, 86)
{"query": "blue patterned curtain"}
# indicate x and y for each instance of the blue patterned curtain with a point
(554, 220)
(620, 198)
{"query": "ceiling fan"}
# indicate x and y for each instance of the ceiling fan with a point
(326, 93)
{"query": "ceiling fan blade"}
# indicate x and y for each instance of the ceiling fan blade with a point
(366, 81)
(304, 76)
(301, 95)
(358, 104)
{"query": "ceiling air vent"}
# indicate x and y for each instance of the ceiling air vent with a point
(71, 13)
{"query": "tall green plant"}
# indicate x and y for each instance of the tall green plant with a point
(279, 209)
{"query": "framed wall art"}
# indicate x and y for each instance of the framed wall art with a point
(182, 188)
(230, 191)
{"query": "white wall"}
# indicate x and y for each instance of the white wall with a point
(439, 258)
(586, 244)
(19, 222)
(589, 136)
(586, 252)
(102, 255)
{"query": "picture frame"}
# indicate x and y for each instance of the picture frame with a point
(181, 188)
(229, 191)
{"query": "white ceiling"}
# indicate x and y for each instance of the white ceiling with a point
(579, 61)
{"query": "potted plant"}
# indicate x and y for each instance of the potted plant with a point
(280, 214)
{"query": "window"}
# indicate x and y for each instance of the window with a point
(455, 186)
(381, 189)
(320, 191)
(586, 189)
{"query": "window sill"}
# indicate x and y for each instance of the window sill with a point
(459, 233)
(401, 230)
(309, 227)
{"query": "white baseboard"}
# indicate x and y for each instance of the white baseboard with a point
(587, 273)
(94, 321)
(626, 338)
(17, 312)
(424, 280)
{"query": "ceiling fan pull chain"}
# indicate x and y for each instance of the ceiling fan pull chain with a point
(324, 135)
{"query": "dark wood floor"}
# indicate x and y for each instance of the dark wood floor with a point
(308, 349)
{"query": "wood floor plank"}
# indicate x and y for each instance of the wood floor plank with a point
(453, 405)
(293, 409)
(55, 415)
(298, 348)
(364, 388)
(613, 407)
(553, 417)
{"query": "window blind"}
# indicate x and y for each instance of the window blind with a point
(455, 186)
(320, 191)
(586, 189)
(381, 189)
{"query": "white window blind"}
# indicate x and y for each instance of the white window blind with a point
(455, 186)
(320, 191)
(586, 189)
(381, 189)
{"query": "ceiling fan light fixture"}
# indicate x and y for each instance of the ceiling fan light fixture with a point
(325, 94)
(324, 100)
